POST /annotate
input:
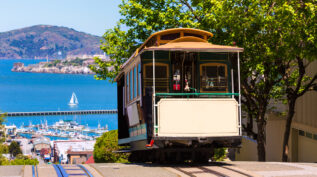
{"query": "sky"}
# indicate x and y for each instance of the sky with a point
(90, 16)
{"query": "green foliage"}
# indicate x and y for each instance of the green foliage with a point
(14, 149)
(220, 154)
(75, 62)
(19, 160)
(119, 47)
(24, 160)
(105, 147)
(4, 149)
(4, 161)
(2, 120)
(272, 33)
(55, 62)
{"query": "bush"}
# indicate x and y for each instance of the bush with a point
(20, 160)
(4, 161)
(220, 154)
(24, 161)
(4, 149)
(105, 147)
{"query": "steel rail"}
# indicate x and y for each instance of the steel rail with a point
(85, 170)
(57, 170)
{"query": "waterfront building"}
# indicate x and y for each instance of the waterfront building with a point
(42, 143)
(73, 151)
(10, 131)
(73, 57)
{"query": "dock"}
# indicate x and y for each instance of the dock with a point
(55, 113)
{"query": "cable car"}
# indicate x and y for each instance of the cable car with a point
(179, 97)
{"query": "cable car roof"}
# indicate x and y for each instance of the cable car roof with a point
(194, 44)
(184, 39)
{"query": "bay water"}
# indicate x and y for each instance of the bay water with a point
(27, 92)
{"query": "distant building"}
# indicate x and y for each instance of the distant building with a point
(88, 62)
(79, 156)
(73, 57)
(42, 143)
(10, 131)
(73, 151)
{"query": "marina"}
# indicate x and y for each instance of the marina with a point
(64, 129)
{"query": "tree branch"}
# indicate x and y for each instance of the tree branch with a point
(302, 72)
(185, 2)
(309, 85)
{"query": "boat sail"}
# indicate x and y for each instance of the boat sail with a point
(73, 100)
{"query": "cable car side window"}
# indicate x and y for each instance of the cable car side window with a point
(139, 80)
(213, 77)
(135, 79)
(127, 88)
(161, 77)
(131, 85)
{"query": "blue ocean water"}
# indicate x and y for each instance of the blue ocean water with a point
(51, 92)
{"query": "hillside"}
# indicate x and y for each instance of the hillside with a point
(44, 40)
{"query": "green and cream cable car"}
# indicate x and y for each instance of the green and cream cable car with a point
(185, 106)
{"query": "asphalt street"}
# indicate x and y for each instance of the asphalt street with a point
(239, 169)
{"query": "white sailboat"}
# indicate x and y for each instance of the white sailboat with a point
(73, 100)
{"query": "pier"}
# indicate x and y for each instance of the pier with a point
(54, 113)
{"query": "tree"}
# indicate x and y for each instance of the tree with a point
(2, 120)
(255, 25)
(14, 149)
(300, 33)
(105, 147)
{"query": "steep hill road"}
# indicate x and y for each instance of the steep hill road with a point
(223, 169)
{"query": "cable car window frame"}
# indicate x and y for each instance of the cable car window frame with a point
(131, 85)
(135, 82)
(226, 77)
(156, 79)
(127, 88)
(139, 80)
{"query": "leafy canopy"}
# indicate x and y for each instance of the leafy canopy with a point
(105, 147)
(272, 33)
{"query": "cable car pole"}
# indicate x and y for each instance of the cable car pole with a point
(239, 94)
(154, 103)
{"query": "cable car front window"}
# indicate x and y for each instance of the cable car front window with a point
(214, 78)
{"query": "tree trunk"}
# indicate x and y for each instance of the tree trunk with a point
(290, 115)
(261, 139)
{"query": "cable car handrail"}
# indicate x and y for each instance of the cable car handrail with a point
(196, 94)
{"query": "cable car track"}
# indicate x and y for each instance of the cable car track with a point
(219, 171)
(71, 171)
(34, 171)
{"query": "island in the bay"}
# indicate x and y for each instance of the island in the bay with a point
(70, 65)
(65, 49)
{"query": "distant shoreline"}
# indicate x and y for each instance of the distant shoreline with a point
(75, 66)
